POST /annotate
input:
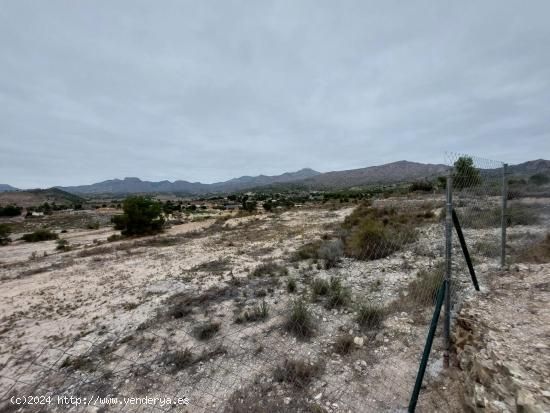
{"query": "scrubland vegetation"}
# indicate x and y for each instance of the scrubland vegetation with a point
(306, 302)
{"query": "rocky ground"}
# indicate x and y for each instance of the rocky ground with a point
(503, 343)
(180, 315)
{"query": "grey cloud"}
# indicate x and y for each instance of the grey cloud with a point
(205, 91)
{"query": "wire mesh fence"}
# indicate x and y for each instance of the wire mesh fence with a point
(278, 316)
(479, 198)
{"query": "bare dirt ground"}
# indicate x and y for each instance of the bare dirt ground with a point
(163, 316)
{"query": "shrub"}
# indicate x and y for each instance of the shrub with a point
(423, 290)
(344, 344)
(42, 234)
(93, 225)
(370, 240)
(296, 372)
(539, 179)
(207, 330)
(373, 233)
(256, 313)
(339, 295)
(516, 214)
(319, 286)
(178, 360)
(424, 186)
(487, 249)
(63, 245)
(299, 320)
(141, 216)
(10, 211)
(5, 232)
(271, 269)
(370, 316)
(291, 285)
(521, 214)
(307, 251)
(331, 252)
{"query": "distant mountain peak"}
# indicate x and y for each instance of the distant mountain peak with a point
(393, 172)
(6, 188)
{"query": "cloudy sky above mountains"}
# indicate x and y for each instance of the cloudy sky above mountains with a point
(209, 90)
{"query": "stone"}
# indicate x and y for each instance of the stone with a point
(526, 403)
(359, 341)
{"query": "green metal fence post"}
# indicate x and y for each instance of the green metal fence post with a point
(465, 250)
(503, 216)
(448, 268)
(428, 346)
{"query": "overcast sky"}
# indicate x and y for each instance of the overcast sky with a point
(209, 90)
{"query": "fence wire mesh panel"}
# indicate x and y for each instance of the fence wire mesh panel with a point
(478, 194)
(320, 309)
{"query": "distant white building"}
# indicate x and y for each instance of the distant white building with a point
(37, 214)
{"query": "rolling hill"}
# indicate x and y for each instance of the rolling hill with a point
(394, 172)
(33, 197)
(136, 185)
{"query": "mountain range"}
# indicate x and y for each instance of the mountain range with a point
(395, 172)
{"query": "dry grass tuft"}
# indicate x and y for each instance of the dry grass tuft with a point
(299, 320)
(299, 373)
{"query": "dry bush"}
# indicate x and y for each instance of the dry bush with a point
(299, 373)
(307, 251)
(88, 252)
(291, 285)
(374, 233)
(217, 266)
(339, 295)
(256, 313)
(299, 320)
(206, 330)
(42, 234)
(270, 269)
(331, 252)
(344, 344)
(182, 304)
(83, 363)
(370, 316)
(319, 286)
(178, 360)
(478, 217)
(489, 249)
(423, 290)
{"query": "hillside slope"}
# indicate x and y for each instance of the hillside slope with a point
(35, 197)
(401, 171)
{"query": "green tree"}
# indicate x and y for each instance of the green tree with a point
(141, 216)
(466, 174)
(4, 234)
